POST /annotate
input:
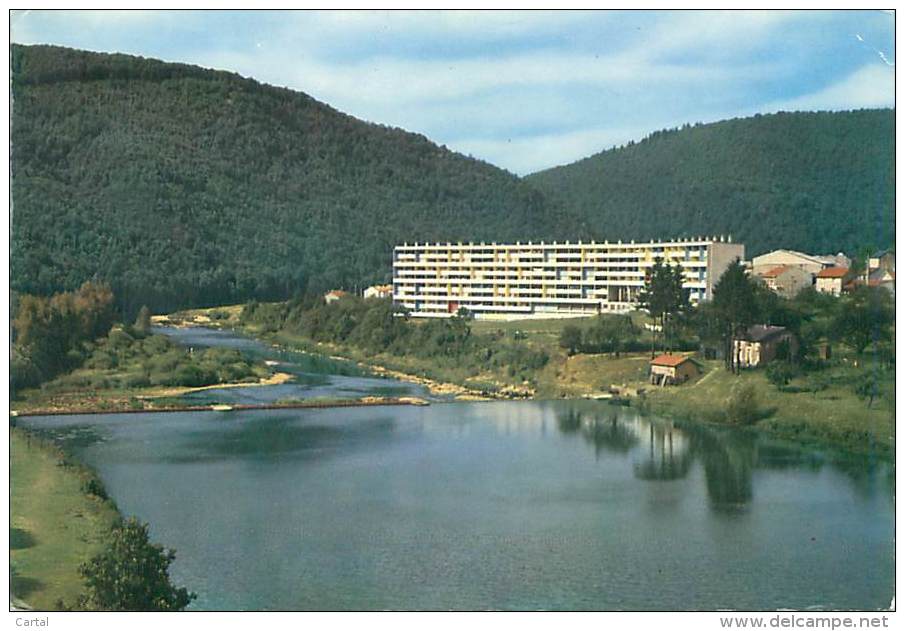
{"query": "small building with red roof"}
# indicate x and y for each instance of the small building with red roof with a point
(334, 295)
(786, 280)
(829, 280)
(672, 369)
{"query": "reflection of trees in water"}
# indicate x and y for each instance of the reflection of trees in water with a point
(728, 460)
(611, 434)
(569, 420)
(668, 455)
(868, 474)
(728, 456)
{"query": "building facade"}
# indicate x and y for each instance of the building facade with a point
(829, 281)
(786, 280)
(547, 280)
(790, 258)
(759, 345)
(378, 291)
(672, 370)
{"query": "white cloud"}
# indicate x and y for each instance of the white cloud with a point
(501, 83)
(870, 86)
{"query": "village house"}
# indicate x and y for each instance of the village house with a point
(379, 291)
(884, 278)
(885, 259)
(672, 369)
(808, 262)
(334, 295)
(786, 280)
(829, 281)
(760, 345)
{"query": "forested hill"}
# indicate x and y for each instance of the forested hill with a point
(818, 182)
(182, 186)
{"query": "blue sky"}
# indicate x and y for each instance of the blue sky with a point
(523, 90)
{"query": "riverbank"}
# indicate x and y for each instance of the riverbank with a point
(56, 524)
(833, 416)
(117, 400)
(220, 407)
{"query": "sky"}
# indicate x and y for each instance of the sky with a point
(524, 90)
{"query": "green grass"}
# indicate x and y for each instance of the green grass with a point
(54, 525)
(835, 415)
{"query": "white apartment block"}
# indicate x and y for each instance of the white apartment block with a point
(547, 280)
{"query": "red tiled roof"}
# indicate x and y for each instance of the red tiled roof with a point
(669, 360)
(832, 272)
(773, 273)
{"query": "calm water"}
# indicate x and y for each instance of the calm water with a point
(502, 505)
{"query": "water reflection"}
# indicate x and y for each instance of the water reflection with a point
(668, 456)
(504, 505)
(662, 451)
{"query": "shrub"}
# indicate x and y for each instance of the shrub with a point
(119, 339)
(95, 487)
(132, 574)
(136, 380)
(780, 373)
(743, 406)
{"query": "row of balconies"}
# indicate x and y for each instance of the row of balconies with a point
(547, 264)
(629, 280)
(491, 248)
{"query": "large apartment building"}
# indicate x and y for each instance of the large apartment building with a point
(547, 280)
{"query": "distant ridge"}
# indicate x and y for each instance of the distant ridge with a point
(819, 182)
(183, 186)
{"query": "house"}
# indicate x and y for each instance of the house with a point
(881, 277)
(760, 345)
(791, 258)
(672, 369)
(786, 280)
(334, 295)
(379, 291)
(829, 280)
(884, 259)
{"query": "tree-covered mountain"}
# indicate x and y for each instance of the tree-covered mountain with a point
(819, 182)
(182, 186)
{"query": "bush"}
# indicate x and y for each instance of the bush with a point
(780, 373)
(135, 380)
(95, 487)
(132, 574)
(743, 405)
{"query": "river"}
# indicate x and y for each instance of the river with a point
(486, 505)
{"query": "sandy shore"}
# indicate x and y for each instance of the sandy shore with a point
(273, 380)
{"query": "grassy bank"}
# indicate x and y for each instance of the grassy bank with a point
(55, 524)
(832, 415)
(129, 370)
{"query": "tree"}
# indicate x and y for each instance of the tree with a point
(663, 295)
(866, 387)
(864, 317)
(132, 574)
(611, 333)
(735, 306)
(570, 338)
(143, 321)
